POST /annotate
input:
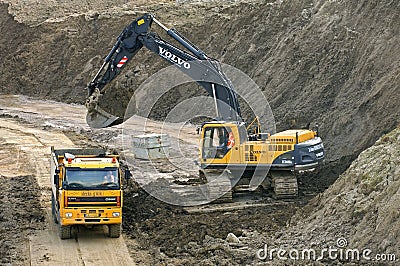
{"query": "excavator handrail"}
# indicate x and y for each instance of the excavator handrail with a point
(255, 120)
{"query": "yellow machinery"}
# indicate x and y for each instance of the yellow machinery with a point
(86, 190)
(274, 159)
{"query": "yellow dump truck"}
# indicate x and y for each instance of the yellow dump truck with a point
(86, 190)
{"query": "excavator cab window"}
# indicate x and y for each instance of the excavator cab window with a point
(215, 144)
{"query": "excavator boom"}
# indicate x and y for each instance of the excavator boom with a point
(193, 62)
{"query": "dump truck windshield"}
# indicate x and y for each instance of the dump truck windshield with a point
(79, 178)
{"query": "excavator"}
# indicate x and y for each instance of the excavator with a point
(257, 160)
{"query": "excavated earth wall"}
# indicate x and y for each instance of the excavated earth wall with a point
(331, 63)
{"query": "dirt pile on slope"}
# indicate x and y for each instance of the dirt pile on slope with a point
(328, 62)
(361, 207)
(175, 237)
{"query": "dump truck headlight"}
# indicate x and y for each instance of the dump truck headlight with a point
(68, 214)
(115, 214)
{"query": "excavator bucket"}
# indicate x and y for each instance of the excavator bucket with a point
(96, 116)
(101, 119)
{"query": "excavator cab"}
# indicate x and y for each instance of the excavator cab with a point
(215, 142)
(220, 142)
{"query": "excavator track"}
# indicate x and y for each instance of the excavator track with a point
(284, 184)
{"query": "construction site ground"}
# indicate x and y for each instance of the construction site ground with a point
(153, 230)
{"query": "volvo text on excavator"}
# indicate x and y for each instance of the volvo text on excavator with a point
(257, 160)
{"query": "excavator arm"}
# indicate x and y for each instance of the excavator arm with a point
(193, 62)
(197, 65)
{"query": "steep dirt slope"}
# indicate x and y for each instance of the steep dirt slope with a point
(328, 62)
(20, 215)
(54, 59)
(362, 206)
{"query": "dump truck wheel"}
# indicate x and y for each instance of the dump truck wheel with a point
(65, 232)
(53, 209)
(114, 230)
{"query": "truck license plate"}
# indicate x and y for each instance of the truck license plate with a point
(91, 215)
(91, 193)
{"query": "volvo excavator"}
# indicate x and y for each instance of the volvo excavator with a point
(258, 160)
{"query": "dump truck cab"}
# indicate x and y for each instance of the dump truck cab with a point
(86, 190)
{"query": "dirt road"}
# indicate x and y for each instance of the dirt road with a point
(25, 151)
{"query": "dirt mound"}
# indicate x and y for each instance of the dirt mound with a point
(173, 236)
(361, 207)
(20, 214)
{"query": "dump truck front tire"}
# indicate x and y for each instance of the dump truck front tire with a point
(114, 230)
(65, 232)
(53, 210)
